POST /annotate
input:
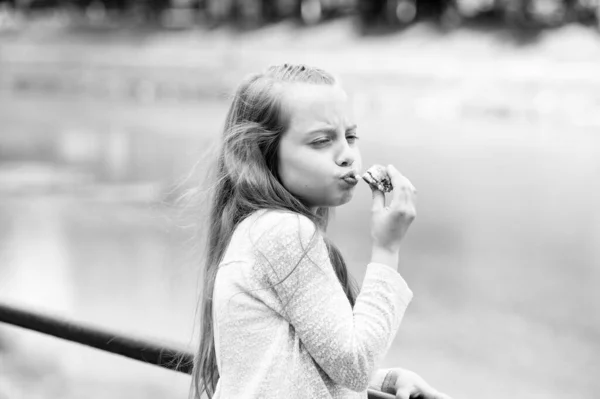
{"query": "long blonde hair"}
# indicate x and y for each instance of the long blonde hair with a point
(247, 180)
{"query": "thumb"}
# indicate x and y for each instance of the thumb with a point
(378, 200)
(403, 393)
(431, 393)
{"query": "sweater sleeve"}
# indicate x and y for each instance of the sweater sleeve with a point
(345, 342)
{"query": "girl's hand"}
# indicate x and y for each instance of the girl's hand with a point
(390, 223)
(409, 384)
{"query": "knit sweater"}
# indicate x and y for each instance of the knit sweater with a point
(284, 327)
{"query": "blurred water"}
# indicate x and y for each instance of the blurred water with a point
(503, 258)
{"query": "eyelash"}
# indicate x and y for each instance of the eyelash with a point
(324, 141)
(353, 137)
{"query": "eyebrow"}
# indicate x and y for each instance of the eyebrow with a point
(331, 130)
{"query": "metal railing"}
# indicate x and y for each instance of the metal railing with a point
(172, 356)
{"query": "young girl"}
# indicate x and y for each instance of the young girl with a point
(281, 318)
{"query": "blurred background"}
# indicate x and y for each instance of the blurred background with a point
(109, 108)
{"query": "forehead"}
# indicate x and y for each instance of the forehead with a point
(311, 106)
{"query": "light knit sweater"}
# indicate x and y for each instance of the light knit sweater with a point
(284, 327)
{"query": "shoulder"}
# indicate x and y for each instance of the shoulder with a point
(280, 240)
(282, 226)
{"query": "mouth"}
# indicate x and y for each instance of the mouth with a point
(350, 178)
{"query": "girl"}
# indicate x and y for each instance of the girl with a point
(281, 317)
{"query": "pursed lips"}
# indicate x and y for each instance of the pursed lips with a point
(350, 177)
(352, 173)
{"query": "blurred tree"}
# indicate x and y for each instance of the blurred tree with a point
(9, 3)
(285, 9)
(315, 11)
(400, 13)
(383, 14)
(371, 15)
(584, 11)
(534, 13)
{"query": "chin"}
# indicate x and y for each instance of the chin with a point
(334, 203)
(347, 197)
(333, 200)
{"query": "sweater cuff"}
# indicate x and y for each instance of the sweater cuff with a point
(392, 275)
(376, 381)
(384, 380)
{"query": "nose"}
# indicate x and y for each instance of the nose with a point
(346, 156)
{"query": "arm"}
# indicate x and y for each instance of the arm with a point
(345, 342)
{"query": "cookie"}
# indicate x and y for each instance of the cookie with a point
(377, 177)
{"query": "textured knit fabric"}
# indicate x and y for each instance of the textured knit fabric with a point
(283, 325)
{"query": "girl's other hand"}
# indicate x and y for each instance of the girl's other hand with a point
(409, 384)
(390, 223)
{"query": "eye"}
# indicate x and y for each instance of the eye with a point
(352, 138)
(320, 142)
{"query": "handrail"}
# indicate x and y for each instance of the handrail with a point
(173, 356)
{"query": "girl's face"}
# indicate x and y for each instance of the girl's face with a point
(319, 147)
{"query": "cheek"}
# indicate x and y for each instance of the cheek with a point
(291, 168)
(304, 176)
(358, 161)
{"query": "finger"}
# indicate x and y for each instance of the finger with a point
(399, 178)
(404, 191)
(399, 194)
(427, 392)
(378, 200)
(403, 393)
